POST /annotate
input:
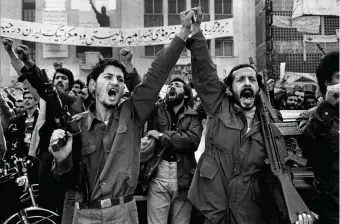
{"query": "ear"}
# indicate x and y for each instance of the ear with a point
(228, 91)
(92, 84)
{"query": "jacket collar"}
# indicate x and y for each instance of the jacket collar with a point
(187, 110)
(229, 114)
(91, 115)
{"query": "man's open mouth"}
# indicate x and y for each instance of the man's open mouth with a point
(172, 93)
(247, 94)
(60, 84)
(112, 92)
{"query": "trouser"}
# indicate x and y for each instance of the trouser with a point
(68, 210)
(51, 194)
(163, 203)
(118, 214)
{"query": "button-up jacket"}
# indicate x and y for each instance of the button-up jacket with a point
(183, 142)
(120, 172)
(226, 184)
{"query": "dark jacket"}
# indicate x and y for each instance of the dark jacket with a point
(183, 141)
(119, 175)
(227, 185)
(20, 123)
(320, 144)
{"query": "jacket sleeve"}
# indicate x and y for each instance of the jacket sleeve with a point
(145, 95)
(319, 125)
(132, 80)
(5, 112)
(206, 82)
(184, 141)
(36, 78)
(62, 170)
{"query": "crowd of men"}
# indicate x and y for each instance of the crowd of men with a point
(129, 135)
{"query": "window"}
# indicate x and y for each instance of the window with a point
(224, 46)
(223, 6)
(175, 8)
(153, 15)
(28, 14)
(151, 51)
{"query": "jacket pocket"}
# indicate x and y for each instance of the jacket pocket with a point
(122, 128)
(209, 167)
(87, 150)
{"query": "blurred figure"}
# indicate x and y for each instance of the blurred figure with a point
(57, 64)
(309, 102)
(291, 102)
(102, 18)
(19, 106)
(298, 91)
(77, 86)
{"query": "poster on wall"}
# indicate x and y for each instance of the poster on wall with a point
(54, 18)
(315, 7)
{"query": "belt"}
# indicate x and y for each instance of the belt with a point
(105, 203)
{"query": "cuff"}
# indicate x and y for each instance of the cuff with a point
(65, 165)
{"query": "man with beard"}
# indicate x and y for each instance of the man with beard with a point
(110, 141)
(177, 130)
(298, 91)
(291, 101)
(227, 186)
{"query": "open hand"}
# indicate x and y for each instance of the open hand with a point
(270, 84)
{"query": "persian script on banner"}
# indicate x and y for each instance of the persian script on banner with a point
(105, 37)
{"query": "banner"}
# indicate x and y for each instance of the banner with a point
(54, 18)
(291, 77)
(315, 7)
(309, 24)
(105, 37)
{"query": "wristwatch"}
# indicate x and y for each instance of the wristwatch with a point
(160, 135)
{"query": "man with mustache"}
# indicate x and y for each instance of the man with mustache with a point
(227, 187)
(177, 130)
(110, 138)
(291, 101)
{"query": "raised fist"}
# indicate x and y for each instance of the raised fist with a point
(126, 54)
(332, 95)
(8, 43)
(23, 52)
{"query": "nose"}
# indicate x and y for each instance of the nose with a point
(114, 81)
(247, 82)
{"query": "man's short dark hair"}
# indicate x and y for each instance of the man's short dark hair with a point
(66, 72)
(326, 69)
(81, 83)
(102, 64)
(28, 92)
(289, 94)
(228, 81)
(19, 100)
(189, 102)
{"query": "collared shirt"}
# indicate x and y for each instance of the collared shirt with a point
(100, 145)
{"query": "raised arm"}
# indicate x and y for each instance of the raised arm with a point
(94, 8)
(145, 95)
(17, 64)
(206, 82)
(133, 79)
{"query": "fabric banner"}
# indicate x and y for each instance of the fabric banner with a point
(320, 38)
(315, 7)
(309, 24)
(105, 37)
(291, 77)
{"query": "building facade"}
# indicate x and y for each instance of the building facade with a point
(287, 42)
(226, 52)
